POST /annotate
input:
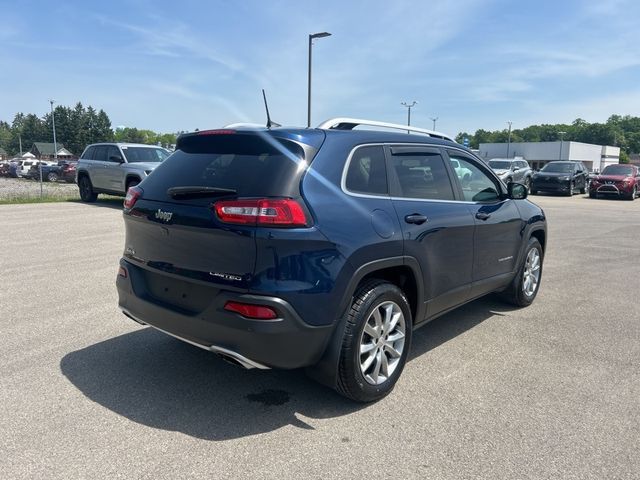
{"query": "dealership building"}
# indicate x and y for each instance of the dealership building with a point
(538, 154)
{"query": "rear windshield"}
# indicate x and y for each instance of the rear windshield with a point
(251, 165)
(626, 170)
(144, 154)
(500, 164)
(558, 168)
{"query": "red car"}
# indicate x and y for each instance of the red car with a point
(68, 170)
(620, 180)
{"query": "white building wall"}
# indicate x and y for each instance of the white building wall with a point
(595, 157)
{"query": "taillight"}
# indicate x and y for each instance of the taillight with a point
(257, 312)
(133, 194)
(264, 212)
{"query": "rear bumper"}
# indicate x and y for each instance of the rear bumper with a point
(286, 342)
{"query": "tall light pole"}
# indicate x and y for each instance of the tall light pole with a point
(409, 107)
(509, 141)
(562, 134)
(434, 120)
(311, 37)
(53, 121)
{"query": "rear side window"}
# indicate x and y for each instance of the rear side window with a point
(367, 172)
(422, 175)
(100, 153)
(88, 154)
(144, 154)
(249, 164)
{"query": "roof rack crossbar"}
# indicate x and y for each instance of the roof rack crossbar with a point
(345, 123)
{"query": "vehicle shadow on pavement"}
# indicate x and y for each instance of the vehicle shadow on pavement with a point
(111, 202)
(155, 380)
(456, 322)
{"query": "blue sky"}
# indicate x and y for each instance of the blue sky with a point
(171, 66)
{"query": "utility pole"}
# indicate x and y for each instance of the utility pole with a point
(562, 134)
(53, 121)
(20, 140)
(409, 107)
(434, 120)
(509, 141)
(311, 38)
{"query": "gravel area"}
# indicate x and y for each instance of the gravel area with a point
(23, 189)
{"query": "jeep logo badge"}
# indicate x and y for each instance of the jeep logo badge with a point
(164, 216)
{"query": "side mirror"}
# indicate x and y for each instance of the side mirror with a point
(516, 191)
(516, 168)
(116, 158)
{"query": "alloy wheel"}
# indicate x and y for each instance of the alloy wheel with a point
(382, 343)
(531, 275)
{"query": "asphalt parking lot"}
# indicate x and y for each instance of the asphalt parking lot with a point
(551, 391)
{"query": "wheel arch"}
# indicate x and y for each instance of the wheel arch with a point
(402, 271)
(129, 178)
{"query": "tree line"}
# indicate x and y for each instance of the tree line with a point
(76, 128)
(619, 131)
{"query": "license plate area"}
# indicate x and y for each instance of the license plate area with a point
(181, 295)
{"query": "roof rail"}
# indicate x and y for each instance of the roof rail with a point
(342, 123)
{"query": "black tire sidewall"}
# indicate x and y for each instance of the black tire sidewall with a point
(354, 385)
(520, 297)
(86, 190)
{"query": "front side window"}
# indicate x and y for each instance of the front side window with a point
(422, 175)
(112, 151)
(477, 186)
(367, 172)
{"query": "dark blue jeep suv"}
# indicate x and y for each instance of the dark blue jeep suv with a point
(322, 248)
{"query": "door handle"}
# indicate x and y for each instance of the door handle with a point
(416, 218)
(482, 216)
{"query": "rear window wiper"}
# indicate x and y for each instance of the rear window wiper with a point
(198, 192)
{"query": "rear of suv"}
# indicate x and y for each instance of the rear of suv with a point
(322, 248)
(113, 168)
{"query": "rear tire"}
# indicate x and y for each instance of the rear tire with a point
(521, 292)
(52, 177)
(534, 192)
(592, 195)
(376, 342)
(86, 190)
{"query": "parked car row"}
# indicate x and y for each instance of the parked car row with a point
(569, 177)
(51, 172)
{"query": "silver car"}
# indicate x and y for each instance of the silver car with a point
(113, 168)
(514, 170)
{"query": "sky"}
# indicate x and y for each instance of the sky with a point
(174, 66)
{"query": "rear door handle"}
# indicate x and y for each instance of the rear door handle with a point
(482, 216)
(416, 218)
